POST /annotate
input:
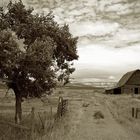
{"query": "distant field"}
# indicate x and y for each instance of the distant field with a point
(79, 87)
(2, 85)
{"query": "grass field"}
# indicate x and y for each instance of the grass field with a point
(92, 115)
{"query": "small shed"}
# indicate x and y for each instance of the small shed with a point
(129, 84)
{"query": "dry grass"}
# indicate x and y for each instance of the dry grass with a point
(7, 132)
(45, 123)
(121, 109)
(85, 106)
(45, 128)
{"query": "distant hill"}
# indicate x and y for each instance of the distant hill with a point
(92, 84)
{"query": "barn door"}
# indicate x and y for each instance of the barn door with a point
(136, 91)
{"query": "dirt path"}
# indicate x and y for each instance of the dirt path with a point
(86, 127)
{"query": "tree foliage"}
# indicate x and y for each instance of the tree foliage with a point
(45, 56)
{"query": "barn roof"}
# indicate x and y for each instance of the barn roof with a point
(126, 77)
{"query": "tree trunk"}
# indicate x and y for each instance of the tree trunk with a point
(18, 109)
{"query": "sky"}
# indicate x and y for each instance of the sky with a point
(108, 31)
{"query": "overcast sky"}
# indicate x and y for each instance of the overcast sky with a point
(108, 30)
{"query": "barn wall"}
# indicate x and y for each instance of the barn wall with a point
(130, 89)
(114, 91)
(117, 90)
(127, 89)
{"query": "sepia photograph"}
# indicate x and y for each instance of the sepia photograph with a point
(69, 69)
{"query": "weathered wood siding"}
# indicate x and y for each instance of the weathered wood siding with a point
(135, 79)
(129, 89)
(132, 83)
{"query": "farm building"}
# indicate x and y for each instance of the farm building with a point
(129, 83)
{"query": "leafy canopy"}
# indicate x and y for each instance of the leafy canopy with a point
(35, 51)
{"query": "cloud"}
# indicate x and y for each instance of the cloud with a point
(98, 28)
(109, 59)
(124, 38)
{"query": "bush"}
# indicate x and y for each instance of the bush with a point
(98, 115)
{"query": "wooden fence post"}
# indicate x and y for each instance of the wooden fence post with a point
(64, 106)
(59, 109)
(133, 112)
(32, 123)
(51, 112)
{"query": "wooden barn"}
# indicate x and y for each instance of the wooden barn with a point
(129, 84)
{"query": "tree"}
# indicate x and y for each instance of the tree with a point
(44, 57)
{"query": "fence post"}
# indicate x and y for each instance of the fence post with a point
(62, 107)
(59, 109)
(51, 112)
(133, 112)
(32, 122)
